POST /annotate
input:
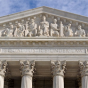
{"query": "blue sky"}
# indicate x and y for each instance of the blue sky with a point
(13, 6)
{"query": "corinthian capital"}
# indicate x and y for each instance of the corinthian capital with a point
(27, 67)
(58, 67)
(83, 68)
(3, 65)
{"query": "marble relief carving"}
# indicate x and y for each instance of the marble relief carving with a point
(54, 29)
(68, 31)
(31, 28)
(80, 32)
(44, 27)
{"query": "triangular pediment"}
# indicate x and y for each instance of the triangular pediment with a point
(43, 9)
(43, 22)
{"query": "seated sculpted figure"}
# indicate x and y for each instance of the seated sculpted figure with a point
(32, 28)
(11, 31)
(44, 27)
(19, 32)
(5, 32)
(68, 31)
(8, 31)
(54, 28)
(80, 32)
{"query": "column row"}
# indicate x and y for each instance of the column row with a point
(58, 70)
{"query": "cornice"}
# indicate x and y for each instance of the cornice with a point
(81, 39)
(43, 9)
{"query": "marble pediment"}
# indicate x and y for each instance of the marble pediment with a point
(43, 22)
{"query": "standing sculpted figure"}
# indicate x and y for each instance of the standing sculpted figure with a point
(19, 31)
(68, 31)
(61, 29)
(32, 28)
(26, 28)
(54, 28)
(80, 32)
(44, 27)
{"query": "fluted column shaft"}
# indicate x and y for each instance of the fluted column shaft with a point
(27, 68)
(84, 73)
(58, 69)
(3, 65)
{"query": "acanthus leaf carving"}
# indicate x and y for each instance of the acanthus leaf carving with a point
(83, 68)
(27, 67)
(58, 67)
(3, 66)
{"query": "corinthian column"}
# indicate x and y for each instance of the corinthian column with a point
(84, 73)
(3, 65)
(58, 70)
(27, 68)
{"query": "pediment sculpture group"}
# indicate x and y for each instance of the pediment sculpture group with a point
(31, 29)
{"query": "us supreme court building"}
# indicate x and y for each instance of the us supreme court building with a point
(43, 48)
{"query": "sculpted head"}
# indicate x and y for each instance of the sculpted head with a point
(32, 20)
(69, 25)
(44, 18)
(11, 26)
(79, 27)
(19, 25)
(55, 20)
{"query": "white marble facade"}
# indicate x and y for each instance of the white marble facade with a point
(43, 48)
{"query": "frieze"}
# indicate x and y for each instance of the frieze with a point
(43, 51)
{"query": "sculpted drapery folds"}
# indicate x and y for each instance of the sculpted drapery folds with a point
(11, 31)
(54, 29)
(43, 26)
(26, 25)
(27, 67)
(32, 28)
(80, 32)
(19, 31)
(61, 29)
(58, 67)
(68, 31)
